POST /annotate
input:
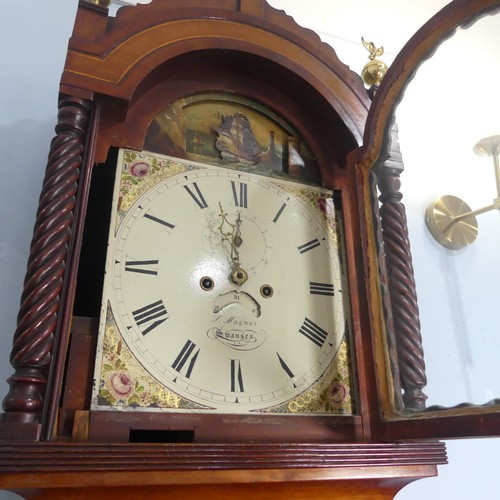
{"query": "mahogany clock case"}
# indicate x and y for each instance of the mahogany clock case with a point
(120, 74)
(253, 77)
(120, 105)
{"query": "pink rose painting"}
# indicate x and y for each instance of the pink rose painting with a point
(120, 384)
(338, 393)
(139, 169)
(326, 206)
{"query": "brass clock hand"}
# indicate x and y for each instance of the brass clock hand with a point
(237, 239)
(238, 275)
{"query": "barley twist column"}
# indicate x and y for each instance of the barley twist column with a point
(402, 290)
(41, 297)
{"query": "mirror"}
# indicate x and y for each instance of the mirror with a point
(448, 107)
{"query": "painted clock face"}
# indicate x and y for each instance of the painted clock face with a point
(226, 287)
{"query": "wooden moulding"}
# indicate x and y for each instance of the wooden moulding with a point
(282, 471)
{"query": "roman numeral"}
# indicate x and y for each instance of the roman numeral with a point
(197, 197)
(187, 356)
(280, 211)
(236, 376)
(313, 332)
(142, 266)
(316, 288)
(240, 195)
(159, 221)
(308, 246)
(154, 314)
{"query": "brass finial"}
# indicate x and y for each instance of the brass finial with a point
(374, 71)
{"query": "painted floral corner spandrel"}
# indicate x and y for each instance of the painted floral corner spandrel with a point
(330, 394)
(140, 172)
(324, 207)
(123, 381)
(335, 392)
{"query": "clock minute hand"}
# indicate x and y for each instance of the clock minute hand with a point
(229, 236)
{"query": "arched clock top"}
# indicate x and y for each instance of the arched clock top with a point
(121, 57)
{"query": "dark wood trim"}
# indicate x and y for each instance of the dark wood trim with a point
(56, 375)
(92, 457)
(463, 421)
(402, 290)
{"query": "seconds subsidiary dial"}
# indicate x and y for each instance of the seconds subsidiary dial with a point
(226, 287)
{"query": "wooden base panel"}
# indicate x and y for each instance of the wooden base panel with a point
(353, 483)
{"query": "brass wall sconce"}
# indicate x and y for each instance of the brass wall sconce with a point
(450, 220)
(101, 3)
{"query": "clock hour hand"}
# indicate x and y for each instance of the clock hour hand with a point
(238, 275)
(237, 239)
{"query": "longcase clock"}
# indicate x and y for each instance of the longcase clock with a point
(213, 301)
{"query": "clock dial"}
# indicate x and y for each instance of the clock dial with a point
(226, 287)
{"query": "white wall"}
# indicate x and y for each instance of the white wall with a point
(34, 39)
